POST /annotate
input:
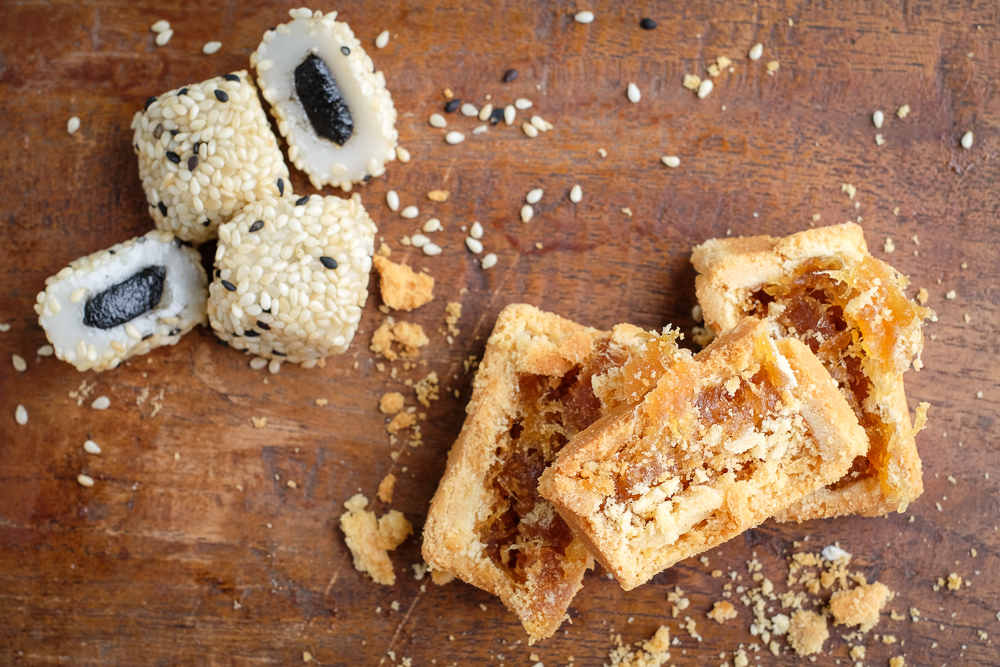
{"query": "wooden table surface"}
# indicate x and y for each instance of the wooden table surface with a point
(192, 549)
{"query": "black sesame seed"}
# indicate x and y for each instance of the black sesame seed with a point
(163, 208)
(263, 325)
(149, 100)
(257, 226)
(221, 96)
(221, 342)
(217, 273)
(278, 354)
(346, 51)
(647, 24)
(206, 223)
(182, 91)
(301, 200)
(509, 75)
(452, 106)
(367, 178)
(252, 334)
(267, 310)
(158, 131)
(174, 133)
(112, 252)
(173, 157)
(496, 116)
(197, 147)
(232, 77)
(192, 162)
(328, 262)
(147, 336)
(281, 187)
(174, 332)
(229, 286)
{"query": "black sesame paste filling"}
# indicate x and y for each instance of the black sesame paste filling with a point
(126, 300)
(323, 101)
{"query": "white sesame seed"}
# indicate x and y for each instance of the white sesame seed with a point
(73, 124)
(475, 245)
(534, 196)
(454, 137)
(419, 240)
(164, 37)
(878, 118)
(101, 403)
(539, 123)
(211, 47)
(527, 213)
(509, 114)
(160, 26)
(274, 366)
(967, 140)
(432, 225)
(484, 113)
(85, 480)
(46, 351)
(951, 295)
(576, 194)
(522, 103)
(489, 261)
(671, 161)
(476, 231)
(21, 415)
(584, 17)
(432, 249)
(756, 51)
(91, 447)
(705, 88)
(258, 363)
(469, 110)
(529, 130)
(410, 212)
(437, 120)
(392, 199)
(633, 94)
(402, 154)
(20, 365)
(480, 129)
(382, 40)
(78, 294)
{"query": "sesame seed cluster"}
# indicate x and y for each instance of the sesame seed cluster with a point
(292, 277)
(205, 151)
(61, 305)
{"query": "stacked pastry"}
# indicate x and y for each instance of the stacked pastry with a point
(619, 445)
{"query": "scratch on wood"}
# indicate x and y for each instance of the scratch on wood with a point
(399, 627)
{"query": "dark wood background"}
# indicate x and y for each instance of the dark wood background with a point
(167, 561)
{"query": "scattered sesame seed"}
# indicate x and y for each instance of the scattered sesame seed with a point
(20, 365)
(72, 125)
(529, 130)
(46, 351)
(160, 26)
(951, 295)
(489, 261)
(647, 24)
(382, 40)
(452, 106)
(903, 111)
(432, 249)
(602, 152)
(967, 140)
(211, 48)
(509, 75)
(584, 17)
(480, 129)
(540, 124)
(101, 403)
(705, 88)
(85, 480)
(879, 140)
(773, 67)
(164, 37)
(4, 327)
(432, 225)
(469, 110)
(475, 245)
(476, 231)
(21, 415)
(410, 212)
(756, 51)
(509, 114)
(402, 154)
(454, 137)
(576, 193)
(534, 196)
(437, 120)
(328, 262)
(633, 93)
(671, 161)
(484, 113)
(522, 103)
(419, 240)
(527, 213)
(392, 199)
(878, 118)
(979, 394)
(91, 447)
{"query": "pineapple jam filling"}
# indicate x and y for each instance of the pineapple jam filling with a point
(524, 533)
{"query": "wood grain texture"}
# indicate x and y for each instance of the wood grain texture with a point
(192, 549)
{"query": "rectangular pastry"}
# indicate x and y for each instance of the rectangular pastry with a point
(542, 380)
(721, 443)
(822, 287)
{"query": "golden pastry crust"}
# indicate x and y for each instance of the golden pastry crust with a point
(862, 326)
(487, 524)
(721, 443)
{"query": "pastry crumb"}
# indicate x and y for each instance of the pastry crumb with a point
(370, 539)
(390, 403)
(411, 338)
(438, 195)
(807, 632)
(259, 422)
(401, 287)
(652, 653)
(860, 606)
(401, 421)
(385, 488)
(722, 612)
